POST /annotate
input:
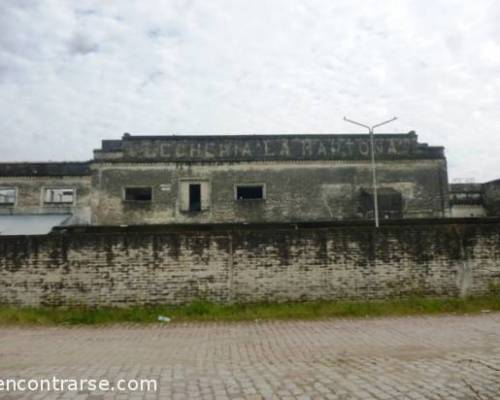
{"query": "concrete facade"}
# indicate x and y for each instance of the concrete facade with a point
(225, 179)
(32, 184)
(157, 265)
(467, 200)
(305, 191)
(475, 199)
(302, 178)
(491, 192)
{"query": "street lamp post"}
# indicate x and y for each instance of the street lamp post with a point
(374, 170)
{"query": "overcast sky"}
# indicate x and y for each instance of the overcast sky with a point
(75, 72)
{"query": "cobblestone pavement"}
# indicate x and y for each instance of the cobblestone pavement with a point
(447, 357)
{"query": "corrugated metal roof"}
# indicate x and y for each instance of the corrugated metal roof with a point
(30, 224)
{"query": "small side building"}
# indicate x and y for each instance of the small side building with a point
(475, 199)
(491, 192)
(467, 200)
(34, 197)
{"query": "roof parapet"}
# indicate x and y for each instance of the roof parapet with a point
(234, 148)
(51, 168)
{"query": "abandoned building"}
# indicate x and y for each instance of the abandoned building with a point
(229, 179)
(475, 199)
(253, 218)
(34, 197)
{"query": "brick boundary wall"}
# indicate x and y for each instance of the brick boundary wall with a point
(112, 266)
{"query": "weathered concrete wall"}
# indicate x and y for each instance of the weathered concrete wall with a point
(467, 211)
(295, 191)
(492, 197)
(30, 189)
(467, 200)
(122, 267)
(304, 177)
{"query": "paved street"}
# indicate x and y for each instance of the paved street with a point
(450, 357)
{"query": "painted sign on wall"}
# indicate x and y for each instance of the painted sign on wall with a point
(317, 147)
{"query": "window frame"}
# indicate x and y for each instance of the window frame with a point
(58, 203)
(14, 188)
(253, 184)
(206, 194)
(124, 194)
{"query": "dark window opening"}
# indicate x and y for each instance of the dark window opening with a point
(138, 194)
(390, 203)
(249, 192)
(194, 197)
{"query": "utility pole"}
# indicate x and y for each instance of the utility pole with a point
(374, 170)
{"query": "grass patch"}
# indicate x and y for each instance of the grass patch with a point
(207, 311)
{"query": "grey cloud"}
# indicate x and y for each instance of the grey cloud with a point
(82, 44)
(235, 66)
